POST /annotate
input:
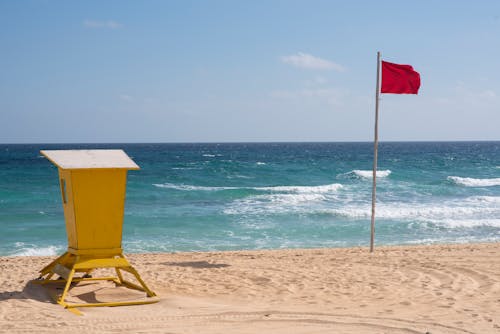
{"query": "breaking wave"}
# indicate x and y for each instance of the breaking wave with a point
(366, 174)
(472, 182)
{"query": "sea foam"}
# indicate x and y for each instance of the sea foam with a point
(472, 182)
(187, 187)
(303, 189)
(366, 174)
(283, 199)
(274, 204)
(281, 189)
(465, 213)
(38, 251)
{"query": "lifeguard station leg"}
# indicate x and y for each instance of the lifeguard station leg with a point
(49, 268)
(69, 279)
(119, 274)
(141, 282)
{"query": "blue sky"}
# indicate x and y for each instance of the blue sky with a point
(219, 71)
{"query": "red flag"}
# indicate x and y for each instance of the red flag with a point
(399, 79)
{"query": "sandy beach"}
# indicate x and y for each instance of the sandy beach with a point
(404, 289)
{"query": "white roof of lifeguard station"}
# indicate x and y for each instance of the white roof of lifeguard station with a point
(86, 159)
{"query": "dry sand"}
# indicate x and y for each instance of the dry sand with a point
(410, 289)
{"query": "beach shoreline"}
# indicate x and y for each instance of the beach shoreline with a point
(452, 288)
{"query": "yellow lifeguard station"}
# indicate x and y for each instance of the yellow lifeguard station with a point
(93, 194)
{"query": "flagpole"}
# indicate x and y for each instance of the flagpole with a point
(375, 156)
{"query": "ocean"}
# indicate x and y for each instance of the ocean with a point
(207, 197)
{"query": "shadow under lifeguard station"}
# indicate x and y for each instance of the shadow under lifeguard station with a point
(93, 184)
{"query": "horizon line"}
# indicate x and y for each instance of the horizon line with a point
(255, 142)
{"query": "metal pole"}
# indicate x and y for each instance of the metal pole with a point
(375, 156)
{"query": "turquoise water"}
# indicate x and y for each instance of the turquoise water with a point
(251, 196)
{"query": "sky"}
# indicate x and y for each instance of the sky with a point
(245, 71)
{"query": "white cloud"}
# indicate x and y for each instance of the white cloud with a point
(125, 97)
(304, 60)
(316, 81)
(463, 96)
(468, 94)
(331, 96)
(283, 94)
(102, 24)
(489, 94)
